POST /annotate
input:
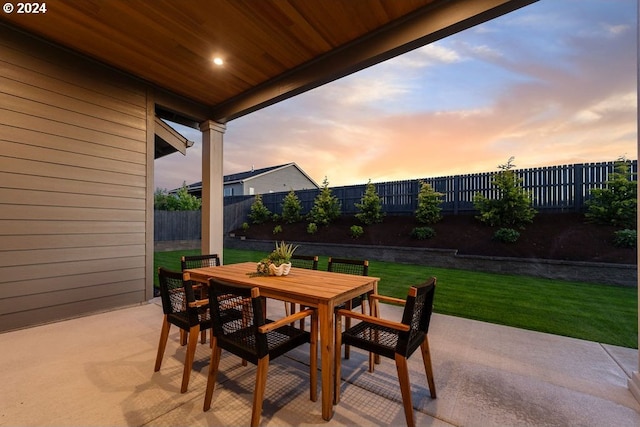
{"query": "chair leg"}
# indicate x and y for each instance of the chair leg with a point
(214, 363)
(290, 308)
(203, 337)
(347, 325)
(313, 358)
(183, 337)
(428, 369)
(287, 309)
(194, 333)
(258, 393)
(164, 335)
(405, 388)
(303, 320)
(337, 351)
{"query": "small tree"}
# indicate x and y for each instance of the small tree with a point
(370, 206)
(326, 206)
(181, 201)
(512, 207)
(616, 204)
(429, 210)
(291, 208)
(259, 213)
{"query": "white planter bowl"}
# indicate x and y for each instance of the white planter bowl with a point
(281, 270)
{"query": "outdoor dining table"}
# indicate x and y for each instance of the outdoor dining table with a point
(312, 288)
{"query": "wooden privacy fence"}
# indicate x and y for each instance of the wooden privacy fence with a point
(176, 225)
(553, 189)
(187, 225)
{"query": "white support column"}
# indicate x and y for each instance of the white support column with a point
(634, 381)
(212, 188)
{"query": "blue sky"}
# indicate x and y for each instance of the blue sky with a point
(552, 83)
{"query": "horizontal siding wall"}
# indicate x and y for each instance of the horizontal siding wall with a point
(72, 185)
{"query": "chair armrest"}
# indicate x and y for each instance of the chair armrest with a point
(198, 303)
(388, 299)
(285, 321)
(375, 320)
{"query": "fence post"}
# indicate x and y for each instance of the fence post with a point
(456, 194)
(578, 186)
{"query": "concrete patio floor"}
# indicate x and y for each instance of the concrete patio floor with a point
(98, 371)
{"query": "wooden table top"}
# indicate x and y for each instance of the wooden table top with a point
(310, 287)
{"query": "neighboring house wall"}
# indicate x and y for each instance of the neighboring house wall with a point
(278, 180)
(74, 173)
(233, 189)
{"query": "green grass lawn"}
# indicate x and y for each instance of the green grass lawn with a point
(600, 313)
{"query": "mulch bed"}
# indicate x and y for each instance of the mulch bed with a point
(560, 236)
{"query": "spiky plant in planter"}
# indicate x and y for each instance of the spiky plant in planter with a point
(278, 262)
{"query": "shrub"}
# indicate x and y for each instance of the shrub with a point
(429, 210)
(625, 238)
(370, 206)
(506, 235)
(512, 207)
(291, 208)
(356, 231)
(245, 226)
(326, 206)
(616, 204)
(259, 213)
(423, 233)
(181, 201)
(312, 228)
(277, 229)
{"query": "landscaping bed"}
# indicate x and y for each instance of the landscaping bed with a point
(554, 236)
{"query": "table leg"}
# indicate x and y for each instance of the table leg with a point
(325, 317)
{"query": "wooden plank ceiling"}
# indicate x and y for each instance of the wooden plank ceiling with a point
(272, 49)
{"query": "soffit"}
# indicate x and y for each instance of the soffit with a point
(273, 49)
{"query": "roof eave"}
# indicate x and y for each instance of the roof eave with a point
(426, 25)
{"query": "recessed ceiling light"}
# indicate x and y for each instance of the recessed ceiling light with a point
(218, 61)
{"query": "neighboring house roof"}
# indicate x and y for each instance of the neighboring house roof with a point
(255, 173)
(241, 177)
(245, 176)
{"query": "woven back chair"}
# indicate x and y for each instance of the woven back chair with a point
(357, 267)
(181, 308)
(240, 327)
(310, 262)
(395, 340)
(198, 261)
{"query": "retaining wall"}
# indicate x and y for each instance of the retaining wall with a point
(603, 273)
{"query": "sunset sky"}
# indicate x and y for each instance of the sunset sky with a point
(550, 84)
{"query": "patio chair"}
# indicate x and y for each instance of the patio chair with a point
(181, 308)
(395, 340)
(310, 262)
(356, 267)
(198, 261)
(242, 329)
